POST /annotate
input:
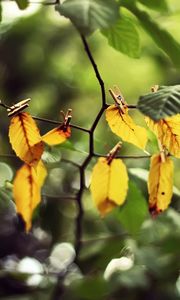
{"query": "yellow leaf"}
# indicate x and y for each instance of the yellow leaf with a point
(41, 173)
(109, 184)
(27, 190)
(57, 135)
(160, 183)
(25, 138)
(123, 125)
(168, 132)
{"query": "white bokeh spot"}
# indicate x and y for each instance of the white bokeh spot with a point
(118, 264)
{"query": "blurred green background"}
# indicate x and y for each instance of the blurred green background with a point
(42, 57)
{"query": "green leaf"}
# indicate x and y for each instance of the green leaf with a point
(6, 199)
(5, 196)
(22, 4)
(165, 102)
(134, 211)
(5, 173)
(51, 155)
(82, 289)
(69, 146)
(160, 36)
(133, 278)
(159, 5)
(124, 37)
(89, 15)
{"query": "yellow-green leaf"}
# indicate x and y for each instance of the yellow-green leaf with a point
(123, 125)
(160, 183)
(109, 184)
(25, 138)
(168, 132)
(57, 135)
(27, 190)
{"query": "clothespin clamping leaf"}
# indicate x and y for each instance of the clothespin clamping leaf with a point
(59, 134)
(24, 134)
(109, 182)
(122, 124)
(167, 131)
(160, 181)
(27, 190)
(118, 98)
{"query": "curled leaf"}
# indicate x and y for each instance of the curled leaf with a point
(25, 138)
(168, 132)
(109, 184)
(27, 190)
(57, 135)
(123, 125)
(160, 183)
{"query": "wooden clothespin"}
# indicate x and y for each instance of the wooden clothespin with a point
(18, 107)
(154, 88)
(112, 153)
(66, 118)
(162, 151)
(118, 98)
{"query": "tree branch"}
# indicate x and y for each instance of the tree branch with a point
(78, 230)
(97, 73)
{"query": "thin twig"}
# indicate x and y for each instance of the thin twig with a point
(59, 123)
(130, 106)
(38, 2)
(8, 156)
(60, 197)
(94, 154)
(4, 105)
(94, 65)
(124, 156)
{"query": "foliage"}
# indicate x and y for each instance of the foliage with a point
(46, 204)
(27, 190)
(25, 138)
(160, 189)
(106, 178)
(124, 37)
(163, 102)
(95, 14)
(167, 131)
(122, 124)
